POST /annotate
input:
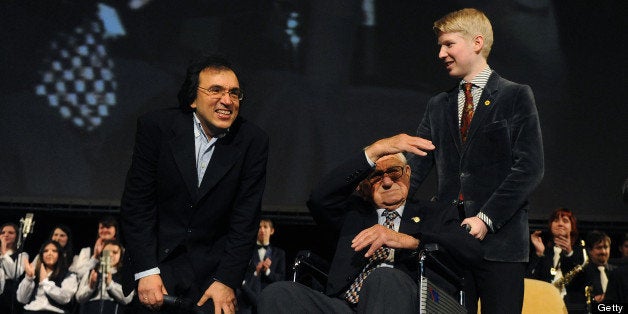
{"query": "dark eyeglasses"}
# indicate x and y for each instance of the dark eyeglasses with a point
(219, 91)
(394, 173)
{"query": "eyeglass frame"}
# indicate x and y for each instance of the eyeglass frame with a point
(384, 173)
(232, 92)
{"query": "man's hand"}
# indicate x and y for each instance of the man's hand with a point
(258, 267)
(223, 297)
(378, 235)
(263, 266)
(150, 291)
(399, 143)
(478, 227)
(537, 241)
(266, 264)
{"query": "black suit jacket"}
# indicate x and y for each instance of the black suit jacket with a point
(164, 213)
(540, 267)
(334, 204)
(497, 167)
(277, 267)
(590, 276)
(253, 285)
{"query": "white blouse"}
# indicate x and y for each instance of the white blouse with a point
(46, 288)
(111, 292)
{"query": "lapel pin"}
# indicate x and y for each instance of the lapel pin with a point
(416, 219)
(486, 103)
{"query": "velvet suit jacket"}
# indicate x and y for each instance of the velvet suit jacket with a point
(498, 166)
(164, 213)
(334, 204)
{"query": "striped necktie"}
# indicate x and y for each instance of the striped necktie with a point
(352, 295)
(467, 112)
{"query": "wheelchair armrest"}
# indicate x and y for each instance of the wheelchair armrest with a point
(436, 258)
(311, 270)
(311, 260)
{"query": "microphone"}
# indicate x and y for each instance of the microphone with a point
(466, 227)
(26, 227)
(27, 224)
(105, 263)
(183, 304)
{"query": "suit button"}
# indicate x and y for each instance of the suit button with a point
(189, 230)
(167, 251)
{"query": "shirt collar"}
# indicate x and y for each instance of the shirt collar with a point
(398, 210)
(198, 129)
(481, 79)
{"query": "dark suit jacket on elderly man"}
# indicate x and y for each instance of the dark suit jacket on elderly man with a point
(332, 203)
(335, 204)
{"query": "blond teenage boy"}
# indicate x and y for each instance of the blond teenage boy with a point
(488, 157)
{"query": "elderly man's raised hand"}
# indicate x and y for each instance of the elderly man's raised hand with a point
(400, 143)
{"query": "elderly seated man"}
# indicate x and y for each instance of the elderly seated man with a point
(380, 229)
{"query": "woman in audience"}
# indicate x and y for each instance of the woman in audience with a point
(63, 235)
(10, 265)
(554, 260)
(47, 287)
(88, 257)
(96, 295)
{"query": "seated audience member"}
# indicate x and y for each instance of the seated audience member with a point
(596, 273)
(374, 267)
(96, 295)
(558, 257)
(268, 265)
(88, 257)
(10, 266)
(48, 286)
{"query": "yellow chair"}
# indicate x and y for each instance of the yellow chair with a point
(540, 297)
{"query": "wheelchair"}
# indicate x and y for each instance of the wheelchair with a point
(440, 280)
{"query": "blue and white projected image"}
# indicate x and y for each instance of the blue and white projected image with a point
(322, 78)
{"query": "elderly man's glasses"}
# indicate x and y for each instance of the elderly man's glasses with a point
(219, 91)
(394, 173)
